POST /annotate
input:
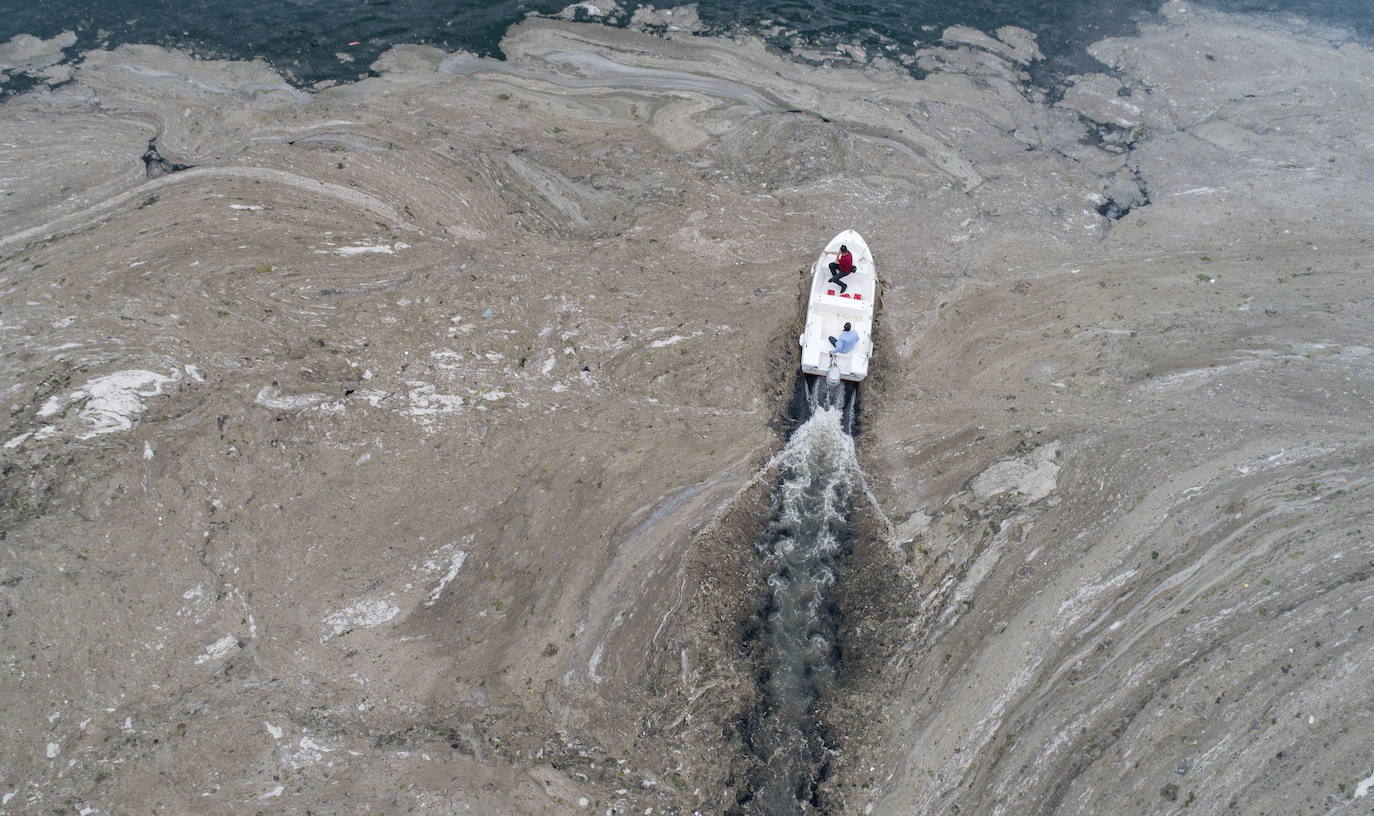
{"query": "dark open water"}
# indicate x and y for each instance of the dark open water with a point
(304, 37)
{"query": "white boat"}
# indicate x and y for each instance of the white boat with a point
(828, 309)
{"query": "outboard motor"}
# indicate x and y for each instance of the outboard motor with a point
(833, 375)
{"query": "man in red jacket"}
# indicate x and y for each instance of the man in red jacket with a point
(841, 266)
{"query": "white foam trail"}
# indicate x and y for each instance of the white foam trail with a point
(818, 474)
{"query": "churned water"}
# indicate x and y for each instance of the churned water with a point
(802, 548)
(314, 40)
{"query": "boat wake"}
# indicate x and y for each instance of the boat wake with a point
(805, 541)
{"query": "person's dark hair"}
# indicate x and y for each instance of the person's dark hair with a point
(844, 248)
(846, 327)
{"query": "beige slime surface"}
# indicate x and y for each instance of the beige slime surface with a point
(405, 453)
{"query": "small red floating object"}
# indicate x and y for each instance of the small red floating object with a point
(356, 42)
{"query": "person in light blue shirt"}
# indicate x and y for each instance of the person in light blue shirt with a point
(846, 342)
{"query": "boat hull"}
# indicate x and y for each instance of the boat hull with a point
(829, 308)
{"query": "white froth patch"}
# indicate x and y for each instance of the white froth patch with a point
(114, 402)
(360, 248)
(915, 524)
(1026, 478)
(275, 792)
(365, 613)
(677, 338)
(425, 401)
(589, 9)
(1362, 789)
(980, 569)
(447, 360)
(194, 373)
(53, 750)
(594, 662)
(382, 249)
(274, 730)
(270, 397)
(52, 405)
(246, 207)
(218, 650)
(374, 397)
(309, 752)
(455, 564)
(1189, 377)
(18, 440)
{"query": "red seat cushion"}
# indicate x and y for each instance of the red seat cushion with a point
(830, 291)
